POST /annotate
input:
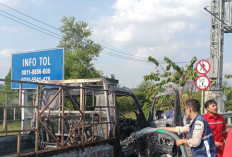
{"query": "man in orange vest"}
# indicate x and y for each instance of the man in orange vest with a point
(217, 125)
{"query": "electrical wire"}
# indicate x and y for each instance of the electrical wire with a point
(58, 36)
(128, 58)
(28, 16)
(109, 53)
(30, 26)
(160, 61)
(123, 52)
(124, 57)
(31, 23)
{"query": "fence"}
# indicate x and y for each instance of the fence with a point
(227, 117)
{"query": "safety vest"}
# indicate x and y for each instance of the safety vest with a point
(207, 147)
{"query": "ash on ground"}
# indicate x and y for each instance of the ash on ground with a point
(144, 143)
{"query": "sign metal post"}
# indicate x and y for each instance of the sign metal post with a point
(202, 82)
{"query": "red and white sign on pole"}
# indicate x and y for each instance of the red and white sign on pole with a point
(202, 82)
(203, 67)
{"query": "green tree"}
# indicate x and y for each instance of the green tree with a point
(141, 91)
(173, 76)
(7, 86)
(144, 96)
(12, 99)
(80, 51)
(228, 91)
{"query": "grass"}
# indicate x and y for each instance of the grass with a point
(11, 126)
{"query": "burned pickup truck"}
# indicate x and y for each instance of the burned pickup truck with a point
(84, 114)
(147, 142)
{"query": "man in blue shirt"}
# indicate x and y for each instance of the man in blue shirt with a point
(170, 113)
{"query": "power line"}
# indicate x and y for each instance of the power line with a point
(110, 53)
(122, 52)
(128, 58)
(138, 58)
(160, 61)
(28, 16)
(131, 57)
(30, 26)
(124, 57)
(30, 23)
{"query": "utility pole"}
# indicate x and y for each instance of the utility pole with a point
(220, 24)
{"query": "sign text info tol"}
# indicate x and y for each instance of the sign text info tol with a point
(37, 66)
(33, 73)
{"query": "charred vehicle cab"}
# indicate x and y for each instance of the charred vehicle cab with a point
(147, 142)
(85, 112)
(93, 101)
(92, 112)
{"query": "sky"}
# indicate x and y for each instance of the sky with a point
(133, 29)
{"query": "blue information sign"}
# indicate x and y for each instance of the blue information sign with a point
(37, 66)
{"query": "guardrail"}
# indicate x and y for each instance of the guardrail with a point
(227, 116)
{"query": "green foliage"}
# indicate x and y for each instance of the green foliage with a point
(12, 99)
(140, 92)
(80, 51)
(68, 104)
(152, 76)
(173, 76)
(228, 91)
(153, 60)
(7, 86)
(125, 105)
(112, 76)
(16, 125)
(228, 76)
(145, 94)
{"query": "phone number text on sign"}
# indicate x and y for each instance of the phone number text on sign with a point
(36, 71)
(35, 79)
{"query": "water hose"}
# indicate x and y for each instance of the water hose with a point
(175, 137)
